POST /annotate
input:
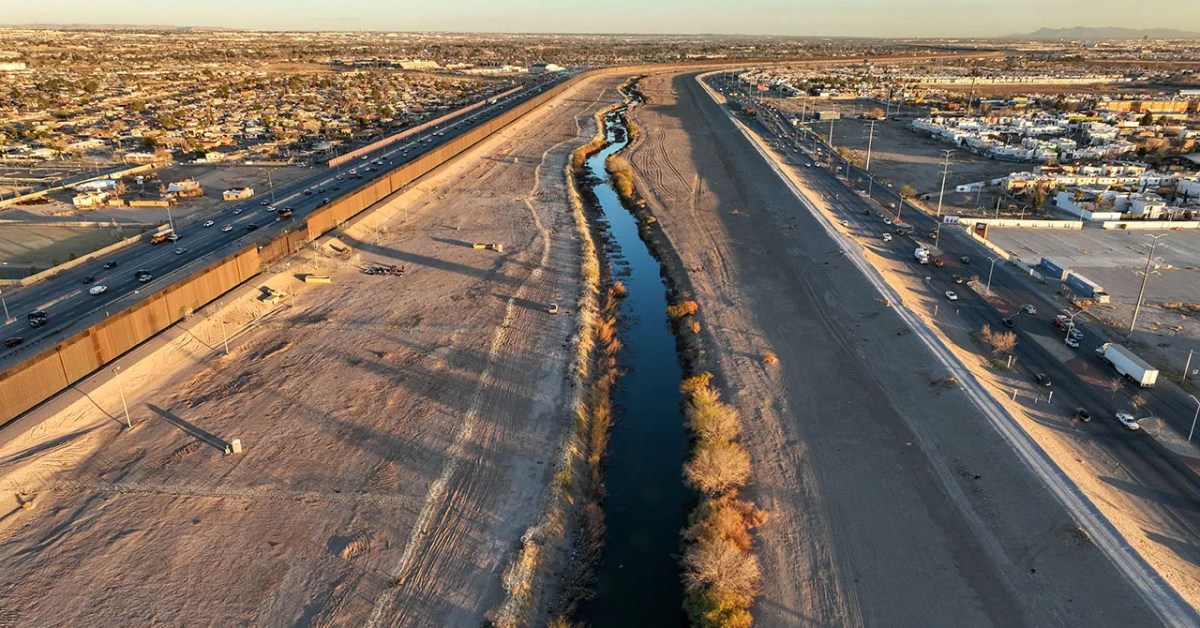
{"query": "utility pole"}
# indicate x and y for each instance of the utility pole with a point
(1186, 366)
(831, 139)
(945, 170)
(1145, 278)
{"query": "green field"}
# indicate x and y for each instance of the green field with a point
(42, 246)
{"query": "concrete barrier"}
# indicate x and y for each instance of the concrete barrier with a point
(1023, 224)
(1162, 225)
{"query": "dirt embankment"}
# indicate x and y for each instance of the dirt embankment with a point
(401, 434)
(891, 500)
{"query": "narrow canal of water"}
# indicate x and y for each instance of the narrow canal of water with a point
(646, 503)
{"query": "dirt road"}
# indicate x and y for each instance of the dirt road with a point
(893, 502)
(399, 432)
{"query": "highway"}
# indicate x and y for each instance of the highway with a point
(70, 306)
(1078, 375)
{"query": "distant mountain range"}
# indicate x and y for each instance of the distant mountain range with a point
(1090, 32)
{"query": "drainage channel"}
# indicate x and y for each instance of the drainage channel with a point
(646, 502)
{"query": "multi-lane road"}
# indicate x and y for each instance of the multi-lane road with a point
(1078, 376)
(70, 305)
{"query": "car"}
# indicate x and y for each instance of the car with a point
(1028, 309)
(308, 192)
(933, 235)
(887, 221)
(89, 279)
(1008, 322)
(867, 212)
(1075, 334)
(208, 223)
(1082, 415)
(14, 341)
(227, 228)
(958, 279)
(951, 295)
(808, 164)
(265, 203)
(251, 227)
(143, 276)
(845, 223)
(271, 208)
(174, 237)
(109, 264)
(552, 308)
(321, 190)
(37, 318)
(1128, 421)
(939, 262)
(339, 177)
(1042, 380)
(237, 211)
(180, 251)
(95, 290)
(1071, 342)
(965, 259)
(887, 237)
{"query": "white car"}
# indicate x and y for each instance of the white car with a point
(209, 223)
(271, 208)
(237, 211)
(1071, 342)
(94, 290)
(227, 228)
(1128, 421)
(180, 251)
(1028, 309)
(887, 237)
(887, 221)
(950, 295)
(845, 223)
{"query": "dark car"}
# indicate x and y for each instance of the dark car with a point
(14, 341)
(1082, 415)
(37, 318)
(958, 279)
(251, 227)
(1042, 379)
(1008, 322)
(109, 265)
(89, 279)
(965, 259)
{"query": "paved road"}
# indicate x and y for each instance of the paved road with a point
(70, 306)
(1077, 374)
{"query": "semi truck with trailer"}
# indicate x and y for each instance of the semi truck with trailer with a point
(1128, 364)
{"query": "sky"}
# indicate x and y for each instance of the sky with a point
(837, 18)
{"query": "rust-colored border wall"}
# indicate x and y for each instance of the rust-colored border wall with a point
(44, 375)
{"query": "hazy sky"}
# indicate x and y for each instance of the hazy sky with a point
(886, 18)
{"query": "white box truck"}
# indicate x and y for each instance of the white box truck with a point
(1128, 364)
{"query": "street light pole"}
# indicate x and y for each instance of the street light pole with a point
(116, 372)
(1145, 278)
(1194, 417)
(170, 220)
(870, 140)
(990, 269)
(7, 318)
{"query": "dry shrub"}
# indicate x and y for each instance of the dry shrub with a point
(717, 467)
(712, 608)
(770, 358)
(622, 176)
(695, 327)
(695, 383)
(725, 518)
(713, 421)
(681, 309)
(619, 290)
(722, 566)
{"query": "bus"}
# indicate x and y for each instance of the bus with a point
(162, 235)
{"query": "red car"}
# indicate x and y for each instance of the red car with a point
(12, 342)
(939, 262)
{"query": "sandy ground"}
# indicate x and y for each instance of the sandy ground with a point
(399, 432)
(893, 502)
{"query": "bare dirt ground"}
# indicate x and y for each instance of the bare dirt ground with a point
(399, 432)
(43, 246)
(892, 501)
